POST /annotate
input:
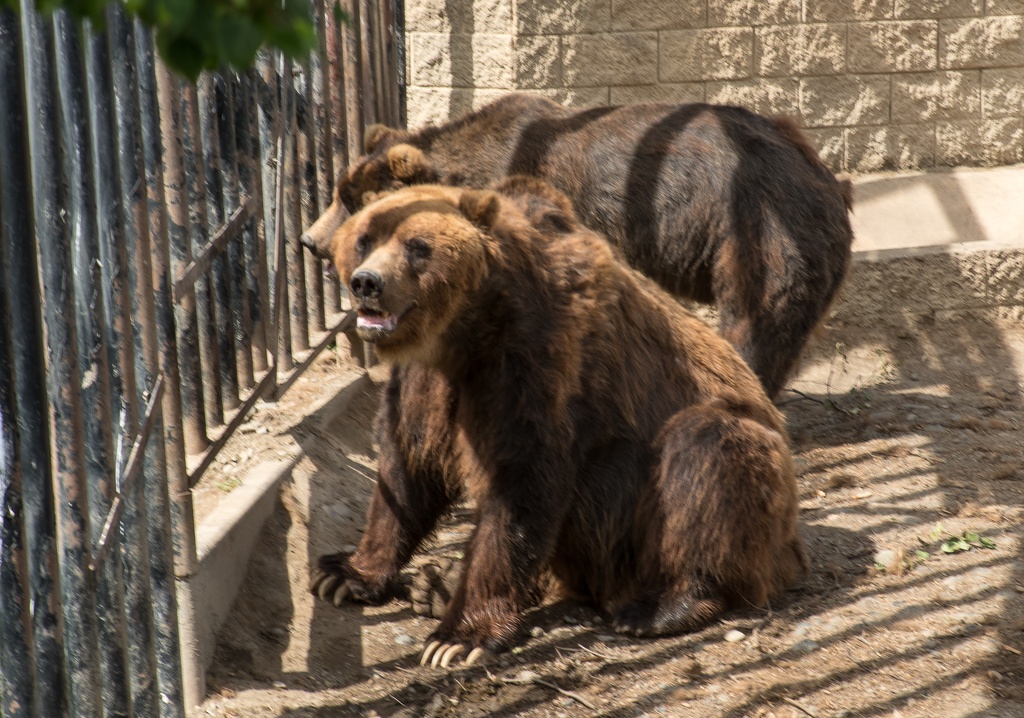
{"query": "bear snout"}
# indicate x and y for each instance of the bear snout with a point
(366, 284)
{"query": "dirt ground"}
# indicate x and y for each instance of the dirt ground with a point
(909, 436)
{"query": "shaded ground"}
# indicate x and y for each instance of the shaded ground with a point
(907, 432)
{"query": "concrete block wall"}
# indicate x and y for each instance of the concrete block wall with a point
(877, 84)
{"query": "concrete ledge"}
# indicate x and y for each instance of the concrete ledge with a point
(224, 541)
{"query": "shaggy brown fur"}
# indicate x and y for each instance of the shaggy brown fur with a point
(604, 433)
(715, 203)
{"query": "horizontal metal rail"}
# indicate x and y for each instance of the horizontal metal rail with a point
(231, 230)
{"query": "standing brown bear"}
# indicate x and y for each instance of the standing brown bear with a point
(607, 437)
(715, 203)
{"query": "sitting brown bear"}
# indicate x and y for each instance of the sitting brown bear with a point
(607, 437)
(715, 203)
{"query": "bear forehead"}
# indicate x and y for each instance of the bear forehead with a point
(410, 211)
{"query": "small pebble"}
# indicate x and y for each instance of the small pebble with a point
(805, 646)
(887, 559)
(526, 676)
(536, 631)
(280, 685)
(605, 638)
(734, 636)
(404, 640)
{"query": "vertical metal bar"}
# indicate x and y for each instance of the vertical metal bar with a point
(29, 647)
(368, 56)
(171, 523)
(323, 124)
(225, 104)
(335, 78)
(133, 244)
(114, 222)
(16, 659)
(249, 179)
(270, 121)
(299, 324)
(199, 230)
(354, 86)
(282, 281)
(93, 353)
(53, 223)
(384, 61)
(219, 275)
(307, 181)
(400, 62)
(185, 319)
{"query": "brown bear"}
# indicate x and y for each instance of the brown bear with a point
(715, 203)
(606, 436)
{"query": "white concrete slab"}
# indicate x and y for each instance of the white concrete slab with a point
(942, 208)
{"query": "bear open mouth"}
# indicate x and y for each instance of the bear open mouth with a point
(377, 322)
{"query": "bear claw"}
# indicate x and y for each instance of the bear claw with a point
(440, 654)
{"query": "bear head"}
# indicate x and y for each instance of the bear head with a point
(389, 163)
(412, 259)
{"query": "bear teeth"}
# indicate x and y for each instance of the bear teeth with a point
(386, 323)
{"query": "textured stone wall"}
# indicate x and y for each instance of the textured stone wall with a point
(877, 84)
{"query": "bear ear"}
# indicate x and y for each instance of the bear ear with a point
(407, 162)
(376, 134)
(480, 207)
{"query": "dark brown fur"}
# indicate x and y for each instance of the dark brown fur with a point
(604, 433)
(715, 203)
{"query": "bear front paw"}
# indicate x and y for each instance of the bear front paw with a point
(335, 580)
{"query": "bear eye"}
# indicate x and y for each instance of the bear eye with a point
(418, 250)
(362, 244)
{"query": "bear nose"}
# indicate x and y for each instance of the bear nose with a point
(366, 284)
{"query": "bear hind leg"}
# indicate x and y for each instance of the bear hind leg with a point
(723, 529)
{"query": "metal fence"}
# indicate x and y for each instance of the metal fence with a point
(152, 289)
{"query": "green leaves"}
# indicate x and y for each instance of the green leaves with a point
(957, 544)
(197, 35)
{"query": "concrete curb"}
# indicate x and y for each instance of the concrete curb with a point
(224, 542)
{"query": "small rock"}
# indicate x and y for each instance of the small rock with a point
(280, 685)
(526, 676)
(262, 430)
(887, 559)
(805, 646)
(734, 636)
(349, 548)
(911, 416)
(570, 619)
(801, 629)
(403, 639)
(536, 631)
(605, 638)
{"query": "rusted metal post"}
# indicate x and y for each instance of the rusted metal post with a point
(307, 189)
(199, 231)
(171, 520)
(299, 324)
(400, 66)
(133, 245)
(51, 199)
(30, 648)
(253, 239)
(94, 354)
(220, 274)
(227, 204)
(323, 124)
(180, 251)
